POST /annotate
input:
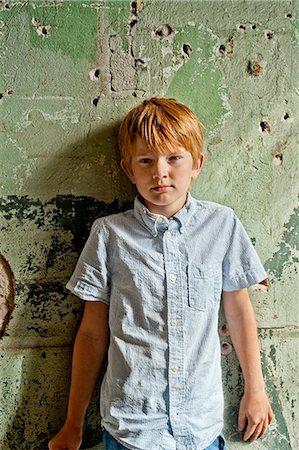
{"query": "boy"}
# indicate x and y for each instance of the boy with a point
(152, 280)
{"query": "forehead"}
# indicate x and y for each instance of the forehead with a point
(140, 147)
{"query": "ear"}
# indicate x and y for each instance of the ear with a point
(126, 167)
(198, 166)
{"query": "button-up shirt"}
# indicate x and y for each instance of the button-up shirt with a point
(162, 279)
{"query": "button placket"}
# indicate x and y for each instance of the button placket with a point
(175, 326)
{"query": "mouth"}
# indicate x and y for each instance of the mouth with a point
(162, 188)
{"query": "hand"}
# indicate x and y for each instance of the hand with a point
(68, 438)
(255, 415)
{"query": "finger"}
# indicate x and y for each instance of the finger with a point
(250, 430)
(241, 421)
(256, 433)
(270, 416)
(264, 429)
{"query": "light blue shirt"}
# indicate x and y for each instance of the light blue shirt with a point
(163, 280)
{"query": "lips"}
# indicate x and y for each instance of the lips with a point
(161, 188)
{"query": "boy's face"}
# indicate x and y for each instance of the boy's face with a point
(162, 180)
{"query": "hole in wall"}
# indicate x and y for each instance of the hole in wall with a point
(187, 49)
(1, 96)
(289, 16)
(163, 31)
(35, 22)
(43, 30)
(277, 159)
(220, 50)
(241, 27)
(269, 35)
(264, 127)
(94, 74)
(253, 26)
(95, 101)
(226, 348)
(286, 116)
(134, 8)
(9, 92)
(223, 330)
(7, 294)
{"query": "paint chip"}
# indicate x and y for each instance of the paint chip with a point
(254, 68)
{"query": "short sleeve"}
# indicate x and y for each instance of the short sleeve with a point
(241, 265)
(91, 279)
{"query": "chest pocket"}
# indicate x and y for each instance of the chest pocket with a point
(203, 286)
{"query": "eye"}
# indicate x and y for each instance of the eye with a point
(175, 158)
(145, 160)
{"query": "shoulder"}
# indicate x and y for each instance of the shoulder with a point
(212, 209)
(113, 221)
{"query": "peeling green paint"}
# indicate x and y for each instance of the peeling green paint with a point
(285, 256)
(199, 73)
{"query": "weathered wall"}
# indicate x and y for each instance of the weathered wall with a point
(69, 71)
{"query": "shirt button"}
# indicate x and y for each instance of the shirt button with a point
(167, 234)
(173, 415)
(174, 322)
(172, 278)
(175, 369)
(160, 220)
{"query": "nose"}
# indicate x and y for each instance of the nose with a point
(160, 169)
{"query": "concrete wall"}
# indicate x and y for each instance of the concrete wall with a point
(69, 71)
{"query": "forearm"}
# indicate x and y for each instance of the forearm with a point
(88, 357)
(90, 348)
(243, 331)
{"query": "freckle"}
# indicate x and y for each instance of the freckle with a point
(226, 348)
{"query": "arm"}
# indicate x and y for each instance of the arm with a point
(90, 347)
(255, 411)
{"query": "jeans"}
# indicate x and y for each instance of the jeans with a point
(111, 444)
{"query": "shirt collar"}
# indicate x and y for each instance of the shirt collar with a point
(157, 222)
